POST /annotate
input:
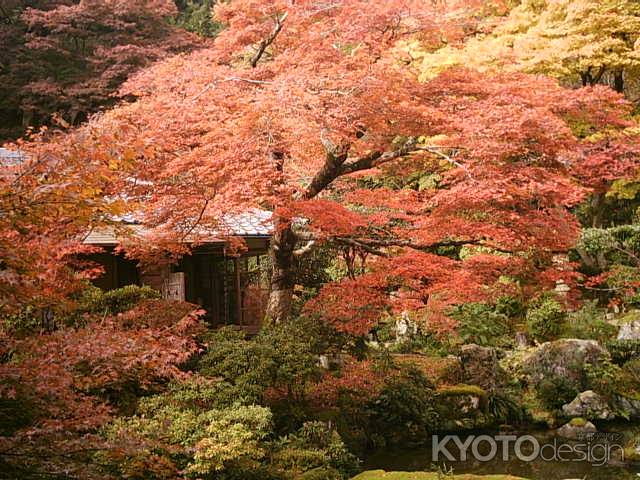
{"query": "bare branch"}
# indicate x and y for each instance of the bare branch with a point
(269, 40)
(628, 253)
(305, 249)
(427, 247)
(197, 220)
(247, 80)
(362, 246)
(209, 86)
(438, 151)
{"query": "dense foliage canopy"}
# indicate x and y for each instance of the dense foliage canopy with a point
(585, 41)
(294, 106)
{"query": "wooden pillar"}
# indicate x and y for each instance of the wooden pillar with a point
(116, 277)
(225, 288)
(236, 268)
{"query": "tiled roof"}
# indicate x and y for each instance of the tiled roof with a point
(11, 163)
(11, 158)
(253, 223)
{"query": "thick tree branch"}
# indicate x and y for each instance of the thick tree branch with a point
(375, 246)
(337, 162)
(335, 165)
(264, 43)
(378, 158)
(336, 156)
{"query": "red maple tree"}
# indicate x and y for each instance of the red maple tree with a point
(305, 109)
(60, 387)
(51, 194)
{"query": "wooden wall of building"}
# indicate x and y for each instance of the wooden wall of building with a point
(227, 287)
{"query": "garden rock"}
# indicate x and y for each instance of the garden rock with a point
(630, 407)
(481, 366)
(577, 429)
(405, 328)
(522, 340)
(589, 405)
(630, 331)
(563, 358)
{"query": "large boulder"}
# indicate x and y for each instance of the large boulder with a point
(630, 331)
(577, 429)
(480, 366)
(565, 358)
(589, 405)
(629, 407)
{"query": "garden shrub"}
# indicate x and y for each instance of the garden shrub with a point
(16, 413)
(630, 379)
(187, 430)
(197, 16)
(554, 391)
(22, 322)
(244, 365)
(280, 358)
(535, 410)
(95, 300)
(383, 404)
(193, 394)
(424, 342)
(545, 319)
(403, 411)
(157, 313)
(589, 323)
(320, 474)
(231, 440)
(198, 442)
(604, 377)
(623, 279)
(438, 369)
(314, 447)
(632, 368)
(356, 380)
(623, 351)
(134, 306)
(502, 407)
(510, 306)
(482, 324)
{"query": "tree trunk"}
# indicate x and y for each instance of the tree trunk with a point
(283, 275)
(597, 210)
(618, 81)
(584, 77)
